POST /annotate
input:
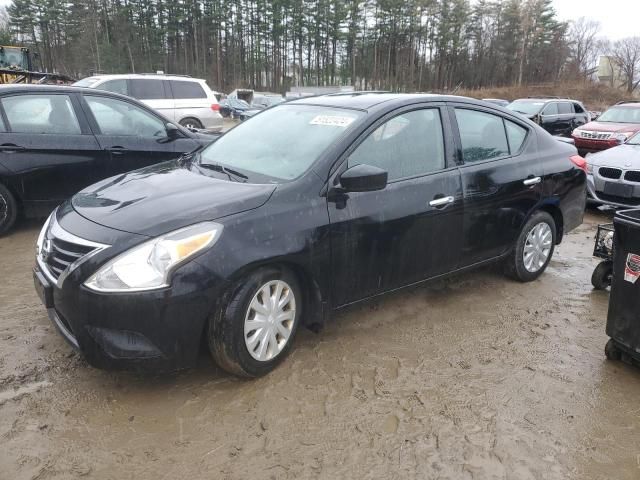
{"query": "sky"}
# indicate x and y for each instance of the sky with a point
(619, 18)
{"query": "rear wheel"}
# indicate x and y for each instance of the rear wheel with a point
(602, 275)
(8, 210)
(534, 248)
(191, 123)
(611, 350)
(254, 331)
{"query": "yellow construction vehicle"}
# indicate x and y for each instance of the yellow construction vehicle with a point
(17, 66)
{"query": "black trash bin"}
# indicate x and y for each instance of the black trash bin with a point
(623, 320)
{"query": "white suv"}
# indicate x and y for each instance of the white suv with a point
(188, 101)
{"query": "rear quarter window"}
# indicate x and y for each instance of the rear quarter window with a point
(185, 89)
(147, 89)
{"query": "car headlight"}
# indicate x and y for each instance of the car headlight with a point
(621, 137)
(43, 232)
(149, 266)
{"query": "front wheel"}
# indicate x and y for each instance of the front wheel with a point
(254, 331)
(534, 248)
(602, 275)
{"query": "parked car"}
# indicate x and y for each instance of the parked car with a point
(335, 200)
(182, 99)
(497, 101)
(614, 175)
(260, 102)
(557, 116)
(233, 107)
(614, 127)
(54, 141)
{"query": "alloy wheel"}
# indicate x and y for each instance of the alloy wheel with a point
(269, 321)
(537, 247)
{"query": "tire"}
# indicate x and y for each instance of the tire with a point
(611, 351)
(515, 266)
(190, 122)
(8, 210)
(229, 338)
(601, 278)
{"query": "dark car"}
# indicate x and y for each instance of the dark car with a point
(259, 103)
(614, 175)
(334, 200)
(55, 141)
(557, 116)
(612, 128)
(233, 107)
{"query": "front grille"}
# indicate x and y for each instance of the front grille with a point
(632, 176)
(622, 200)
(595, 135)
(613, 173)
(62, 254)
(59, 251)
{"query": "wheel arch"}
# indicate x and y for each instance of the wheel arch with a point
(558, 218)
(314, 299)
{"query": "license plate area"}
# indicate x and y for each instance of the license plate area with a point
(43, 288)
(618, 189)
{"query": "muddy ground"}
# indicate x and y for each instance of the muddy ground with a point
(476, 377)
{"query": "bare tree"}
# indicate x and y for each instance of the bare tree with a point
(626, 56)
(585, 45)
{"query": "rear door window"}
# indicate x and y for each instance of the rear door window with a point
(147, 89)
(41, 114)
(116, 86)
(565, 108)
(482, 135)
(185, 89)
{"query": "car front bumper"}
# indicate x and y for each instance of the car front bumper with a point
(159, 330)
(596, 195)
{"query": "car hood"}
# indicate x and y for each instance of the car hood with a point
(158, 199)
(610, 127)
(623, 156)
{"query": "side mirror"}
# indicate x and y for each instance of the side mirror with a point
(173, 132)
(363, 178)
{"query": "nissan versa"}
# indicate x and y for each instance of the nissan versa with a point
(331, 201)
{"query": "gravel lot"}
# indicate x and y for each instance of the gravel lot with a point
(475, 377)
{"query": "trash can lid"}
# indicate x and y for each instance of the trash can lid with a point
(628, 216)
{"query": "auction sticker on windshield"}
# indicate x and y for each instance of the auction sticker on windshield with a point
(632, 269)
(332, 120)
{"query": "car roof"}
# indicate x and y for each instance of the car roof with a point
(152, 76)
(545, 99)
(371, 100)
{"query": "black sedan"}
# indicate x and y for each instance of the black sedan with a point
(334, 200)
(54, 141)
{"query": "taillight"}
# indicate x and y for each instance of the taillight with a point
(579, 162)
(215, 107)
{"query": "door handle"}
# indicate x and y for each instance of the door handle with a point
(116, 150)
(10, 147)
(532, 181)
(441, 202)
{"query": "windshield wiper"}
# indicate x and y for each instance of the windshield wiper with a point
(229, 172)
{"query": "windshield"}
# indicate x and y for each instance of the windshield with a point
(621, 115)
(13, 57)
(635, 140)
(86, 82)
(281, 143)
(527, 107)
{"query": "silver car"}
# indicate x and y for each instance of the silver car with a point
(614, 175)
(185, 100)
